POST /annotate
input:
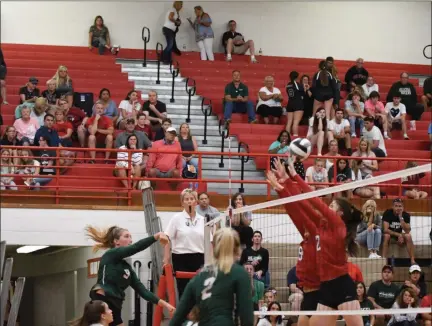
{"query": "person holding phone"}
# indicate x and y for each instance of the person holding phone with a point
(279, 146)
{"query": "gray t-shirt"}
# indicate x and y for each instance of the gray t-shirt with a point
(210, 211)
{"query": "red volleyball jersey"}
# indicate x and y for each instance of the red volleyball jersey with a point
(330, 239)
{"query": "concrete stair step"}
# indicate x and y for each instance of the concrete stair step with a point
(151, 78)
(183, 99)
(179, 86)
(199, 117)
(180, 92)
(195, 121)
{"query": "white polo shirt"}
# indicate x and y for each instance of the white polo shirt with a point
(186, 237)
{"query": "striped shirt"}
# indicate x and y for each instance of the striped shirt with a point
(123, 158)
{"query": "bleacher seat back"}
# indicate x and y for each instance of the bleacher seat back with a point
(84, 101)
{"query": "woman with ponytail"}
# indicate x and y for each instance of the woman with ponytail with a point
(115, 275)
(219, 288)
(336, 231)
(96, 313)
(295, 105)
(324, 90)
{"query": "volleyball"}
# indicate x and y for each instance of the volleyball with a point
(300, 147)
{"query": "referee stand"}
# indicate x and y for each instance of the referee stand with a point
(7, 294)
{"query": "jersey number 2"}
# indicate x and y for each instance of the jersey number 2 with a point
(318, 244)
(208, 284)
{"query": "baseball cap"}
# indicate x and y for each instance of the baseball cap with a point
(414, 268)
(385, 267)
(172, 129)
(33, 80)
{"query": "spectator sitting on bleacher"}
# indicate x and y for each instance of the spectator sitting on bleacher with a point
(427, 93)
(365, 304)
(258, 257)
(64, 129)
(333, 151)
(279, 146)
(241, 222)
(370, 87)
(204, 208)
(50, 94)
(317, 173)
(143, 141)
(269, 101)
(367, 191)
(408, 95)
(356, 75)
(273, 320)
(48, 132)
(7, 167)
(375, 108)
(110, 107)
(396, 114)
(143, 125)
(29, 92)
(156, 110)
(3, 73)
(426, 317)
(188, 143)
(382, 294)
(29, 167)
(122, 168)
(40, 109)
(343, 174)
(256, 285)
(160, 133)
(406, 299)
(355, 111)
(166, 165)
(415, 282)
(77, 118)
(99, 36)
(413, 192)
(369, 230)
(26, 126)
(46, 158)
(100, 129)
(373, 135)
(9, 137)
(396, 226)
(129, 108)
(234, 42)
(203, 33)
(237, 99)
(339, 129)
(296, 294)
(64, 84)
(324, 90)
(317, 131)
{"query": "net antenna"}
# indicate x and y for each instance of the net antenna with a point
(153, 226)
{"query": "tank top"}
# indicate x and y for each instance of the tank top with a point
(186, 145)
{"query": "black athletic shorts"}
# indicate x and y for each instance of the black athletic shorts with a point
(323, 97)
(294, 106)
(335, 292)
(3, 72)
(112, 304)
(310, 301)
(265, 111)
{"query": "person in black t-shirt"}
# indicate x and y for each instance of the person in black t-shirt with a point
(29, 92)
(156, 110)
(160, 133)
(427, 93)
(365, 304)
(51, 95)
(396, 225)
(3, 73)
(295, 105)
(234, 42)
(356, 75)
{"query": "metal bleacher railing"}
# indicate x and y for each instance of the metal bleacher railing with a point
(58, 187)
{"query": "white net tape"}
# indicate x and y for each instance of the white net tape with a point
(322, 192)
(346, 312)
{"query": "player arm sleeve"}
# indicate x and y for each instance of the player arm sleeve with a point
(295, 218)
(185, 305)
(124, 252)
(142, 290)
(244, 299)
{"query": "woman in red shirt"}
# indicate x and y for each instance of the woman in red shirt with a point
(64, 129)
(336, 227)
(306, 271)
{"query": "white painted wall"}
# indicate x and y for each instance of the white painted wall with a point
(376, 31)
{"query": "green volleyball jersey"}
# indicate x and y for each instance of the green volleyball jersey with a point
(217, 296)
(115, 275)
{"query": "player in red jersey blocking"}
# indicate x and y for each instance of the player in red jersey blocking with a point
(306, 270)
(337, 228)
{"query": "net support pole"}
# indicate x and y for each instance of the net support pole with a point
(208, 250)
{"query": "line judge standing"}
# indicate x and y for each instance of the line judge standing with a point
(186, 233)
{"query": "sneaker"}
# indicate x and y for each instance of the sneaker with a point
(228, 58)
(387, 137)
(377, 256)
(372, 255)
(254, 60)
(406, 137)
(254, 121)
(5, 103)
(353, 135)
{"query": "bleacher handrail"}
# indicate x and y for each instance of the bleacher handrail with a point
(159, 51)
(175, 71)
(207, 110)
(145, 35)
(424, 51)
(190, 91)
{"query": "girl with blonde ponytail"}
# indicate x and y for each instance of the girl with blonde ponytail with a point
(115, 275)
(219, 288)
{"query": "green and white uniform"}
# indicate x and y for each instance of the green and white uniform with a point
(217, 296)
(115, 275)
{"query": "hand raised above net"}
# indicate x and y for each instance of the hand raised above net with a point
(280, 171)
(273, 181)
(290, 166)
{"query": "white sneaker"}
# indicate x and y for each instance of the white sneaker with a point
(387, 137)
(253, 60)
(377, 256)
(353, 135)
(371, 255)
(228, 58)
(413, 125)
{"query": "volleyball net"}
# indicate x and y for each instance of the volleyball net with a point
(281, 239)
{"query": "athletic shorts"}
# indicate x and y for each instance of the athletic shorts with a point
(116, 310)
(294, 106)
(396, 124)
(310, 301)
(266, 111)
(3, 72)
(323, 97)
(335, 292)
(240, 49)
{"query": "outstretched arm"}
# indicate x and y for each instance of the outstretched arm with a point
(185, 305)
(141, 289)
(244, 299)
